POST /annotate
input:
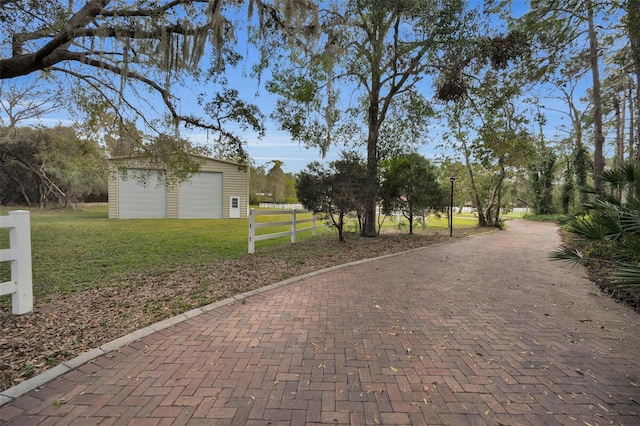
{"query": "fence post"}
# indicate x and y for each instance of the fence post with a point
(252, 230)
(313, 225)
(21, 274)
(293, 226)
(292, 232)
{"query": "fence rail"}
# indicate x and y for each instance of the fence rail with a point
(281, 206)
(19, 254)
(294, 222)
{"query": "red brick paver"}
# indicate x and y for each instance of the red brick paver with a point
(483, 330)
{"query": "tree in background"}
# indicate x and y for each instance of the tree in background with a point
(568, 186)
(493, 137)
(409, 185)
(541, 173)
(350, 176)
(630, 22)
(257, 184)
(578, 166)
(290, 196)
(44, 164)
(462, 193)
(280, 185)
(571, 26)
(486, 111)
(274, 185)
(39, 166)
(379, 50)
(276, 182)
(334, 191)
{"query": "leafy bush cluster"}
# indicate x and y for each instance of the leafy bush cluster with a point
(557, 218)
(606, 237)
(406, 184)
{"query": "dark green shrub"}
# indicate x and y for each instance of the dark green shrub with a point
(607, 235)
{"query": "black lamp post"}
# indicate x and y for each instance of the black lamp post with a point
(451, 208)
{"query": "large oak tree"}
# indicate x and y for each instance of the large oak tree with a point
(130, 55)
(376, 52)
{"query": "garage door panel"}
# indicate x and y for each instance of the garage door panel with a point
(201, 197)
(142, 199)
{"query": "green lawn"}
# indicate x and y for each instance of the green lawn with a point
(461, 220)
(75, 249)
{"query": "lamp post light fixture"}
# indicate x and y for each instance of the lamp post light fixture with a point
(451, 208)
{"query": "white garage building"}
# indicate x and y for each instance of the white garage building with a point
(220, 189)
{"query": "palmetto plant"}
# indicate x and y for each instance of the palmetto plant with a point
(609, 230)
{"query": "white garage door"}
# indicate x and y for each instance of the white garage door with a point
(201, 197)
(142, 199)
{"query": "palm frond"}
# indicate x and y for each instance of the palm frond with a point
(568, 253)
(587, 229)
(607, 235)
(630, 221)
(627, 277)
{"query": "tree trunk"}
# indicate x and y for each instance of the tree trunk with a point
(598, 155)
(581, 165)
(337, 223)
(481, 218)
(23, 190)
(632, 113)
(620, 128)
(410, 223)
(567, 188)
(496, 222)
(340, 227)
(491, 219)
(633, 17)
(619, 123)
(579, 156)
(619, 155)
(369, 229)
(634, 126)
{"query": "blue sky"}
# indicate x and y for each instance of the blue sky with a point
(276, 144)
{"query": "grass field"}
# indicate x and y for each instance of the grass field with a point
(76, 249)
(73, 249)
(459, 220)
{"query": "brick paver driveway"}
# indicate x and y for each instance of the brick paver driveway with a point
(484, 330)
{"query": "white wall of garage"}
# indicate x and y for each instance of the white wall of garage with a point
(143, 195)
(207, 194)
(201, 197)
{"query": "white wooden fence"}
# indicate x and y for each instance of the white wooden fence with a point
(253, 225)
(282, 206)
(19, 254)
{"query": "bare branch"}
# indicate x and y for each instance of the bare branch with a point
(26, 101)
(98, 85)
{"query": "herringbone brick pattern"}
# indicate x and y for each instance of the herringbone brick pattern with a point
(481, 331)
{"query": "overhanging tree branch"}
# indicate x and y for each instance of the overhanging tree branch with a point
(148, 43)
